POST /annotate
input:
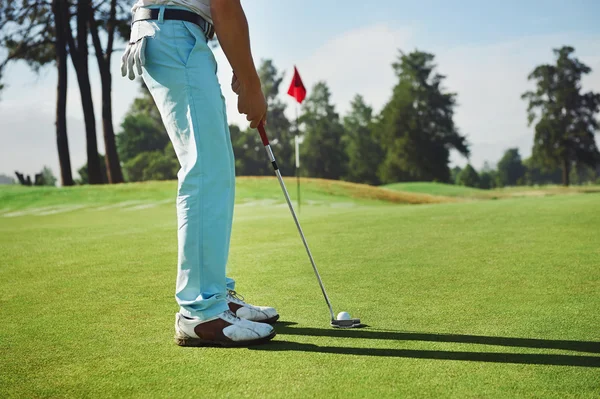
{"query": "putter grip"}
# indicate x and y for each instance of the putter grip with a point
(263, 134)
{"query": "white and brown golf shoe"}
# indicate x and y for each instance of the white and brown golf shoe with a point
(260, 314)
(224, 330)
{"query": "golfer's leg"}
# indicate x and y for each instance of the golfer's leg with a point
(180, 73)
(230, 282)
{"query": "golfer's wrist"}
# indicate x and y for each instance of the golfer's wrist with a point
(251, 83)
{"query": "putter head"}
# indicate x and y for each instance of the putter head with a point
(352, 323)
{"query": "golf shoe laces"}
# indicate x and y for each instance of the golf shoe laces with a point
(235, 295)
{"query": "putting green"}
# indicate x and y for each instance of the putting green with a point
(474, 299)
(451, 190)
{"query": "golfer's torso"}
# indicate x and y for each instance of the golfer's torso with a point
(201, 7)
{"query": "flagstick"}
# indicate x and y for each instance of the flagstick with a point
(297, 91)
(297, 145)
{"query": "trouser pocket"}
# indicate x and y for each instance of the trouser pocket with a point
(184, 39)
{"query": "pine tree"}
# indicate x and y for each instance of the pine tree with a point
(363, 151)
(566, 117)
(416, 126)
(322, 151)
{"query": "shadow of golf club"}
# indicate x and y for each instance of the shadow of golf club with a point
(284, 328)
(490, 357)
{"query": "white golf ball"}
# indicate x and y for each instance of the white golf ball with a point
(343, 316)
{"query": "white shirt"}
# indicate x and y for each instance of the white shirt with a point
(201, 7)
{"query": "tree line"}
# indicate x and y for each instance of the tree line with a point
(52, 32)
(512, 170)
(360, 147)
(410, 139)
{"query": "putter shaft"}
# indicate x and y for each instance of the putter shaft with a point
(271, 156)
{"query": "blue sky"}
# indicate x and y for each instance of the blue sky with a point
(485, 48)
(449, 22)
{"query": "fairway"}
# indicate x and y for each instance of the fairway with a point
(494, 299)
(452, 190)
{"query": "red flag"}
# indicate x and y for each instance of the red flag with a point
(297, 89)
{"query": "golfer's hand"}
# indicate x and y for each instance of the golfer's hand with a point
(252, 103)
(235, 85)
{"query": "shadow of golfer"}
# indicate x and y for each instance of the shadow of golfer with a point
(285, 328)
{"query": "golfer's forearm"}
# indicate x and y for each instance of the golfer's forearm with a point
(231, 27)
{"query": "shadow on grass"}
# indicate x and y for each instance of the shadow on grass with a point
(285, 328)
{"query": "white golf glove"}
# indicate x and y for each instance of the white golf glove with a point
(134, 57)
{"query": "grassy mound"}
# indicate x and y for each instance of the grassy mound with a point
(16, 197)
(449, 190)
(323, 189)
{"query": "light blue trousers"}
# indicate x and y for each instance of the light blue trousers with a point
(180, 72)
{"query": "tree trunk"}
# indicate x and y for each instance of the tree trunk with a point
(566, 170)
(94, 168)
(80, 61)
(62, 141)
(113, 165)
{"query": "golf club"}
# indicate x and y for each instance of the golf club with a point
(348, 323)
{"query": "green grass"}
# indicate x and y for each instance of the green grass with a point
(249, 190)
(451, 190)
(495, 299)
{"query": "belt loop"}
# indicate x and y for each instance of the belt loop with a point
(161, 15)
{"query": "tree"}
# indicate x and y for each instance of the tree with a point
(84, 176)
(249, 153)
(34, 31)
(142, 129)
(281, 135)
(416, 126)
(78, 50)
(511, 170)
(486, 180)
(143, 143)
(62, 142)
(583, 174)
(44, 178)
(468, 177)
(487, 177)
(536, 174)
(454, 172)
(105, 15)
(25, 180)
(48, 178)
(250, 158)
(363, 151)
(40, 31)
(322, 150)
(566, 117)
(27, 32)
(153, 165)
